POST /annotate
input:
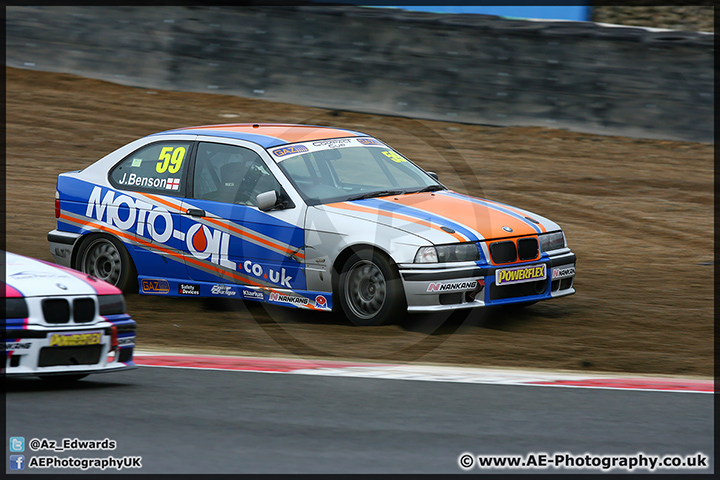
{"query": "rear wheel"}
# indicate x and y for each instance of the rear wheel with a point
(369, 289)
(106, 258)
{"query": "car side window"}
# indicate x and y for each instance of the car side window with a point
(230, 174)
(155, 168)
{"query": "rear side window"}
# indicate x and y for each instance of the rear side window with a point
(156, 168)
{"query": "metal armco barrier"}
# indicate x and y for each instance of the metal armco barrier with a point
(463, 68)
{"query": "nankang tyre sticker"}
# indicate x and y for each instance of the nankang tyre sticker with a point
(370, 290)
(106, 258)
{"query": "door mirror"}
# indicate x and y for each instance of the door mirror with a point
(267, 200)
(434, 175)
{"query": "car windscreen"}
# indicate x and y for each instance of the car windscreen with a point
(337, 170)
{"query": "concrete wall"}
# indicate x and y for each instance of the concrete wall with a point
(466, 68)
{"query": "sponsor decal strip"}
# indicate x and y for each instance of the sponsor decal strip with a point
(155, 285)
(376, 211)
(425, 373)
(289, 150)
(188, 289)
(563, 272)
(370, 141)
(295, 299)
(495, 206)
(223, 290)
(309, 146)
(318, 301)
(15, 344)
(522, 274)
(452, 286)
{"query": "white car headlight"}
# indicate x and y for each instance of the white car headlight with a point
(552, 241)
(456, 252)
(426, 255)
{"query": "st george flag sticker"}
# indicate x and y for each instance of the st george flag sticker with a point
(173, 184)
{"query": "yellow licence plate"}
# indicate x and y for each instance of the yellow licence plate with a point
(75, 339)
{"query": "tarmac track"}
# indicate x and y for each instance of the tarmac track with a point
(208, 421)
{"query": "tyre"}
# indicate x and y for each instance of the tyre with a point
(106, 258)
(369, 289)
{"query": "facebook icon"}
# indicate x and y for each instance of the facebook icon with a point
(17, 462)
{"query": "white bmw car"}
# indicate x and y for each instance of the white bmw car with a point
(300, 216)
(61, 324)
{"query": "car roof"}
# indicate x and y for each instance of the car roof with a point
(267, 135)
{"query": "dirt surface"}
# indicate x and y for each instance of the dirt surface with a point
(696, 18)
(638, 214)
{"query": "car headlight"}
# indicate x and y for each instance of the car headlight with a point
(552, 241)
(457, 252)
(111, 304)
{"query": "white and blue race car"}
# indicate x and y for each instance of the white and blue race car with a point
(303, 216)
(61, 324)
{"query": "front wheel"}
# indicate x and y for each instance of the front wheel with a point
(369, 289)
(107, 259)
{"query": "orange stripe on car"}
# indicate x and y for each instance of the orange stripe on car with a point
(512, 209)
(163, 201)
(484, 220)
(399, 216)
(255, 237)
(230, 227)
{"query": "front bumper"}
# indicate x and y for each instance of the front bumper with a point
(469, 285)
(28, 350)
